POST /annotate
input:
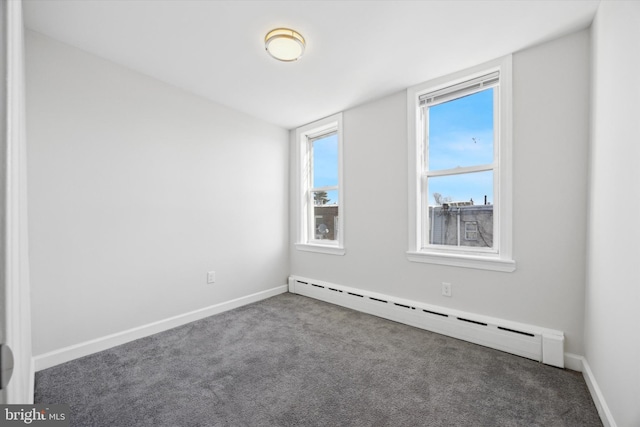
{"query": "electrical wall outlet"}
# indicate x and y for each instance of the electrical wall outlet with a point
(446, 289)
(211, 277)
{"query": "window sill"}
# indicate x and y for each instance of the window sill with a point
(323, 249)
(465, 261)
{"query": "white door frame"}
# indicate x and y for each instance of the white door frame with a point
(15, 323)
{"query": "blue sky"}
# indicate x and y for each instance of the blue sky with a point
(461, 134)
(325, 164)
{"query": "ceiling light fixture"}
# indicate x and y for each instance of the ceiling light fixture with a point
(284, 44)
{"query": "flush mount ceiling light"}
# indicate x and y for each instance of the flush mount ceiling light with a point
(284, 44)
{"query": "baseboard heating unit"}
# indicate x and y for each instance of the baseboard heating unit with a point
(541, 344)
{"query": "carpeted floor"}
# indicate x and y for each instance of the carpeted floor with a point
(295, 361)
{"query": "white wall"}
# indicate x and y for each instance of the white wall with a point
(612, 321)
(551, 114)
(136, 190)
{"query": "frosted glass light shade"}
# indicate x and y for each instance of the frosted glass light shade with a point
(284, 44)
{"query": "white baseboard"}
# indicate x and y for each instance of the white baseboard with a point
(56, 357)
(573, 362)
(596, 395)
(537, 343)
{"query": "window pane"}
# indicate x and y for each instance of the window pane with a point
(325, 161)
(325, 214)
(461, 132)
(461, 210)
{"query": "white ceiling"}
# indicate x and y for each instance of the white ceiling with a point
(356, 50)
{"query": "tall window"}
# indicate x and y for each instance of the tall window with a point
(460, 146)
(460, 165)
(320, 207)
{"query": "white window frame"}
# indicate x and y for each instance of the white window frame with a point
(304, 199)
(498, 258)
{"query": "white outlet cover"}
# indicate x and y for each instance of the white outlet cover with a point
(446, 289)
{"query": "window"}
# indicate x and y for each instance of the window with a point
(470, 230)
(320, 206)
(460, 144)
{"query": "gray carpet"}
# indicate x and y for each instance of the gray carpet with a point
(295, 361)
